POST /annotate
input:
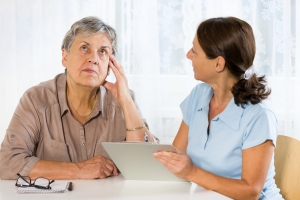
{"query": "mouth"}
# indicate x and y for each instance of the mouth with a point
(89, 70)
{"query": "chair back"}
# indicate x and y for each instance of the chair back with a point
(287, 167)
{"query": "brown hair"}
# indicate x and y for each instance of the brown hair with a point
(233, 39)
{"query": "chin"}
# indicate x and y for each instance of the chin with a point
(198, 78)
(92, 83)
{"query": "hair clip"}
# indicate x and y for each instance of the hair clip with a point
(249, 72)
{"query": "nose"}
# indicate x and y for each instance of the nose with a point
(188, 54)
(93, 58)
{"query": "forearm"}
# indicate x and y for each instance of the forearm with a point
(133, 120)
(233, 188)
(54, 170)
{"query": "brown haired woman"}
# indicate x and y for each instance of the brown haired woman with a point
(228, 133)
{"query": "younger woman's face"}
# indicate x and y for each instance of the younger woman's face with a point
(204, 68)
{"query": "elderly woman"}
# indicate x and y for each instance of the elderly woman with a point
(58, 126)
(226, 139)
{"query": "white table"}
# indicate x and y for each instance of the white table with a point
(117, 188)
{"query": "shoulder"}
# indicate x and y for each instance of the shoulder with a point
(199, 94)
(132, 94)
(45, 93)
(260, 125)
(201, 89)
(197, 99)
(260, 110)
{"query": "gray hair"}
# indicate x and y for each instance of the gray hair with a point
(86, 27)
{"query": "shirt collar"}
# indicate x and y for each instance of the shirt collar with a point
(232, 115)
(207, 95)
(62, 97)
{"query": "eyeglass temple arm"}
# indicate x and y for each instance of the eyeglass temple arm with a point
(24, 178)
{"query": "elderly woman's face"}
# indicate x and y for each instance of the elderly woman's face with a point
(87, 61)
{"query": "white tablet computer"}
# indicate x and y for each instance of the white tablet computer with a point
(135, 160)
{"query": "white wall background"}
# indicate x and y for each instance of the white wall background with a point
(154, 36)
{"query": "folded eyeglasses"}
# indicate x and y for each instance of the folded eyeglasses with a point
(40, 183)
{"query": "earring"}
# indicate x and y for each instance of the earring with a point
(217, 71)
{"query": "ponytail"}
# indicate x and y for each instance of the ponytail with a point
(253, 90)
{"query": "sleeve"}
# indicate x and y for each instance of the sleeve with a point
(184, 106)
(19, 144)
(263, 127)
(190, 102)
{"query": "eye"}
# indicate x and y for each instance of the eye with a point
(103, 52)
(84, 48)
(192, 50)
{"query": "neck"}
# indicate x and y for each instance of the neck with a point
(222, 91)
(81, 104)
(221, 100)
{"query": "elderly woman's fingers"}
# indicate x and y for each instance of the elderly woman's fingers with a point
(115, 63)
(119, 74)
(106, 168)
(114, 69)
(112, 167)
(108, 85)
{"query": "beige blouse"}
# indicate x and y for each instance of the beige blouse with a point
(42, 127)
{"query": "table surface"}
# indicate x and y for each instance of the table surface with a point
(117, 188)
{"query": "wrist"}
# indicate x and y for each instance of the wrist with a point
(191, 174)
(136, 128)
(76, 168)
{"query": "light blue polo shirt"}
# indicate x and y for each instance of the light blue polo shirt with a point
(231, 131)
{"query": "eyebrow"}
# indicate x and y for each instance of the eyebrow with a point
(86, 43)
(103, 47)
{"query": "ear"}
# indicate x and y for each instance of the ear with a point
(64, 57)
(220, 64)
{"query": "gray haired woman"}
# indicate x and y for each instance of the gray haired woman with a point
(58, 125)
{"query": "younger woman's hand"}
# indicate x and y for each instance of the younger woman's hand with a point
(178, 163)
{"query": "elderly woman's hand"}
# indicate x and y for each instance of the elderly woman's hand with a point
(119, 89)
(96, 167)
(178, 163)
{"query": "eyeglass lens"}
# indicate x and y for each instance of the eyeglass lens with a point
(41, 182)
(25, 181)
